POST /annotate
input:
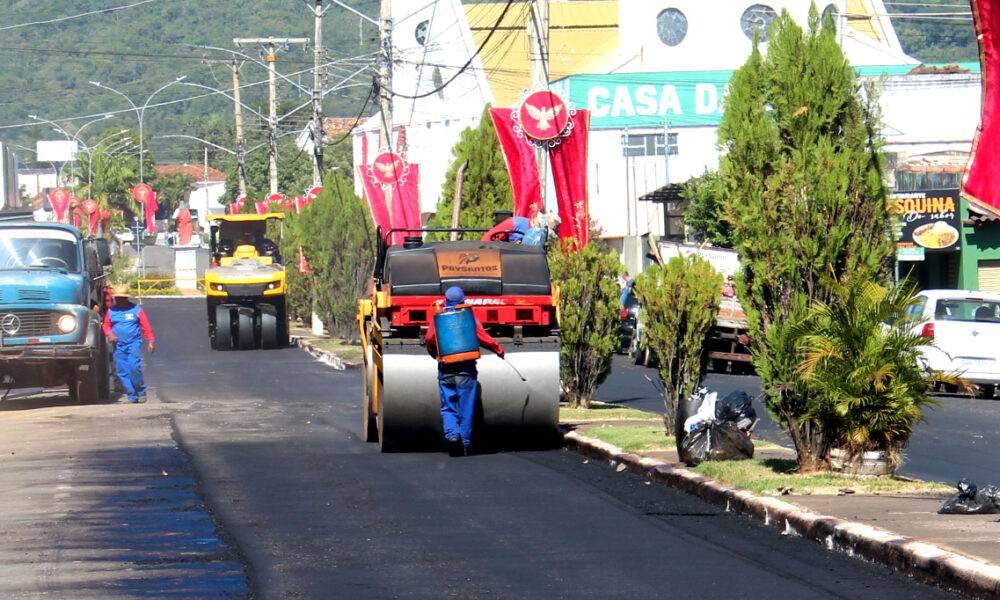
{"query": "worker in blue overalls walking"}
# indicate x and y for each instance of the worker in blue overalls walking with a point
(458, 377)
(125, 325)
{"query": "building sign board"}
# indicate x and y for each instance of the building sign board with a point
(677, 98)
(927, 219)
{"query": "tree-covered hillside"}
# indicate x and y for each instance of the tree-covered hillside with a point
(935, 31)
(52, 51)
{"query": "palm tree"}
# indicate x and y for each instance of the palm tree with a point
(859, 357)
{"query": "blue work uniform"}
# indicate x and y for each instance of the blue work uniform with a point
(130, 326)
(458, 385)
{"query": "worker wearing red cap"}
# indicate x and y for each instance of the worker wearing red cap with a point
(458, 382)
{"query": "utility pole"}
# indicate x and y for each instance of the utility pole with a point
(271, 49)
(317, 94)
(538, 33)
(238, 111)
(385, 83)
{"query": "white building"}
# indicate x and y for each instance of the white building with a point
(643, 68)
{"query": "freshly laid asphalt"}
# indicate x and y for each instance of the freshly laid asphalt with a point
(902, 531)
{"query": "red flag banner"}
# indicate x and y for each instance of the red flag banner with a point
(145, 195)
(59, 200)
(979, 185)
(391, 190)
(77, 217)
(261, 207)
(93, 213)
(569, 173)
(521, 164)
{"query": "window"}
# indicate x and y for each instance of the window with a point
(671, 26)
(420, 32)
(648, 144)
(830, 11)
(757, 18)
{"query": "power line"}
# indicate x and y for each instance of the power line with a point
(77, 16)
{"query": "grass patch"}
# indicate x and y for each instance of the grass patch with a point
(644, 438)
(601, 411)
(340, 347)
(764, 476)
(772, 475)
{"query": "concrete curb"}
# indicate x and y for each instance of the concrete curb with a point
(328, 358)
(922, 561)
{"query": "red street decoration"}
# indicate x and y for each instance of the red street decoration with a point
(391, 190)
(303, 263)
(543, 116)
(311, 195)
(299, 203)
(105, 216)
(234, 208)
(59, 200)
(145, 195)
(261, 207)
(185, 227)
(93, 212)
(979, 186)
(275, 202)
(545, 120)
(77, 217)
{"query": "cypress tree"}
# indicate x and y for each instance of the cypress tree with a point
(336, 234)
(486, 182)
(806, 202)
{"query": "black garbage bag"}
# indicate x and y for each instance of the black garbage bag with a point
(972, 500)
(736, 408)
(712, 440)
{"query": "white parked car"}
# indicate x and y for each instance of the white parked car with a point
(965, 327)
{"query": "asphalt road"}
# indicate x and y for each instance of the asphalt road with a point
(314, 512)
(955, 441)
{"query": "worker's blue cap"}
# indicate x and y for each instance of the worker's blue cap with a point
(454, 296)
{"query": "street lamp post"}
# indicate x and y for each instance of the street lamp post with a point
(139, 113)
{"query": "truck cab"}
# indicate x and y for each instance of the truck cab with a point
(51, 309)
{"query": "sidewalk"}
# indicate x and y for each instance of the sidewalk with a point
(901, 531)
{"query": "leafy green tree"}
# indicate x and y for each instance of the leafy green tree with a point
(171, 190)
(870, 389)
(336, 235)
(589, 315)
(703, 218)
(679, 304)
(806, 201)
(486, 182)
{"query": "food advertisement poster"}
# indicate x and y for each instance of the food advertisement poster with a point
(927, 219)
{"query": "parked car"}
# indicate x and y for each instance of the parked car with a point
(965, 327)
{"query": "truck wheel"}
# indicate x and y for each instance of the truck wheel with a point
(719, 365)
(245, 331)
(987, 390)
(103, 371)
(268, 328)
(85, 385)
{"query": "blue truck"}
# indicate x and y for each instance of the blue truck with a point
(52, 306)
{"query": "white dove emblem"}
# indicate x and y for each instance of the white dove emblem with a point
(543, 115)
(389, 170)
